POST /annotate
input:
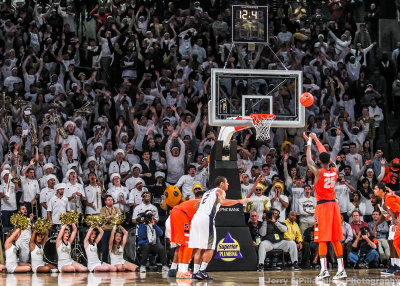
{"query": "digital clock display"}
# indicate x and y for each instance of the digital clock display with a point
(249, 24)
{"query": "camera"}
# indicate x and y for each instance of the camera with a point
(145, 217)
(269, 214)
(364, 231)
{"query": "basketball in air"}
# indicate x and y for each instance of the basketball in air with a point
(307, 99)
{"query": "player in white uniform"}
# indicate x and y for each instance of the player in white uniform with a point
(90, 243)
(203, 235)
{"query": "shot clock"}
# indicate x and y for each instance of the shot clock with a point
(249, 24)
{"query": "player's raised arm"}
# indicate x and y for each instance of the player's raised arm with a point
(310, 163)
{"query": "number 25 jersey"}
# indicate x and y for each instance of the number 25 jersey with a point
(325, 187)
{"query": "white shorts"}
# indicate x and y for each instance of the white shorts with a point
(203, 234)
(392, 232)
(91, 267)
(11, 267)
(35, 266)
(65, 262)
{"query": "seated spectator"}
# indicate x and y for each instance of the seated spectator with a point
(293, 233)
(307, 209)
(357, 223)
(149, 242)
(364, 253)
(272, 234)
(258, 202)
(380, 229)
(254, 226)
(346, 242)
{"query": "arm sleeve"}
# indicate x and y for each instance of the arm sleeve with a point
(263, 229)
(281, 226)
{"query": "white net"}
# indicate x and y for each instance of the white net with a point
(262, 123)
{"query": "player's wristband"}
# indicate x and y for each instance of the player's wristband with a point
(309, 142)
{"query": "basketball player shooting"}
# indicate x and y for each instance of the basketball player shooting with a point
(327, 220)
(203, 235)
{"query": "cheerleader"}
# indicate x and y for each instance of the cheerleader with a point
(12, 265)
(116, 245)
(92, 238)
(63, 245)
(36, 247)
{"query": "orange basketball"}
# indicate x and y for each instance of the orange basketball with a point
(307, 99)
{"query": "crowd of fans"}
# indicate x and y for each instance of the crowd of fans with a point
(116, 93)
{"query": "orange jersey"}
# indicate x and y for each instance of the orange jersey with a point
(325, 187)
(188, 208)
(393, 203)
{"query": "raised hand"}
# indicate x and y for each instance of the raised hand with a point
(305, 136)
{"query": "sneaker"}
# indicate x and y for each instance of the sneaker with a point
(391, 270)
(172, 272)
(295, 267)
(165, 268)
(184, 275)
(142, 269)
(260, 267)
(323, 274)
(340, 275)
(203, 275)
(363, 266)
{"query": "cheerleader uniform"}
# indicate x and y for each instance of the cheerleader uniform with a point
(117, 258)
(11, 259)
(92, 257)
(37, 258)
(64, 255)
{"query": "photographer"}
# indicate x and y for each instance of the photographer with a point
(271, 232)
(364, 250)
(149, 240)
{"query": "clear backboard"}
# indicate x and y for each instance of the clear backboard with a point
(241, 92)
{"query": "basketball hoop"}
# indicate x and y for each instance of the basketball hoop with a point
(261, 122)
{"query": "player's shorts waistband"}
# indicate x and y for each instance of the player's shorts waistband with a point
(325, 201)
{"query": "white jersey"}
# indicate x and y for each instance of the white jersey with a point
(209, 204)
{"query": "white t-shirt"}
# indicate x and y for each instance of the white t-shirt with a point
(93, 195)
(74, 143)
(278, 205)
(11, 203)
(45, 196)
(342, 196)
(57, 206)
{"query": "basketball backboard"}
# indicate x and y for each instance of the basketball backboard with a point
(241, 92)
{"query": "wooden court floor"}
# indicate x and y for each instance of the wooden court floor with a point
(306, 277)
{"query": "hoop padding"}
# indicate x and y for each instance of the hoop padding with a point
(262, 123)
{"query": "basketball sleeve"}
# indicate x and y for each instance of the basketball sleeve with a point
(393, 204)
(321, 148)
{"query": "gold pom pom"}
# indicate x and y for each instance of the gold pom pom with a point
(95, 220)
(20, 221)
(42, 225)
(71, 217)
(118, 219)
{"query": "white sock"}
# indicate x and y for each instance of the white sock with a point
(397, 261)
(393, 261)
(196, 268)
(323, 264)
(179, 267)
(184, 267)
(203, 266)
(340, 264)
(174, 265)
